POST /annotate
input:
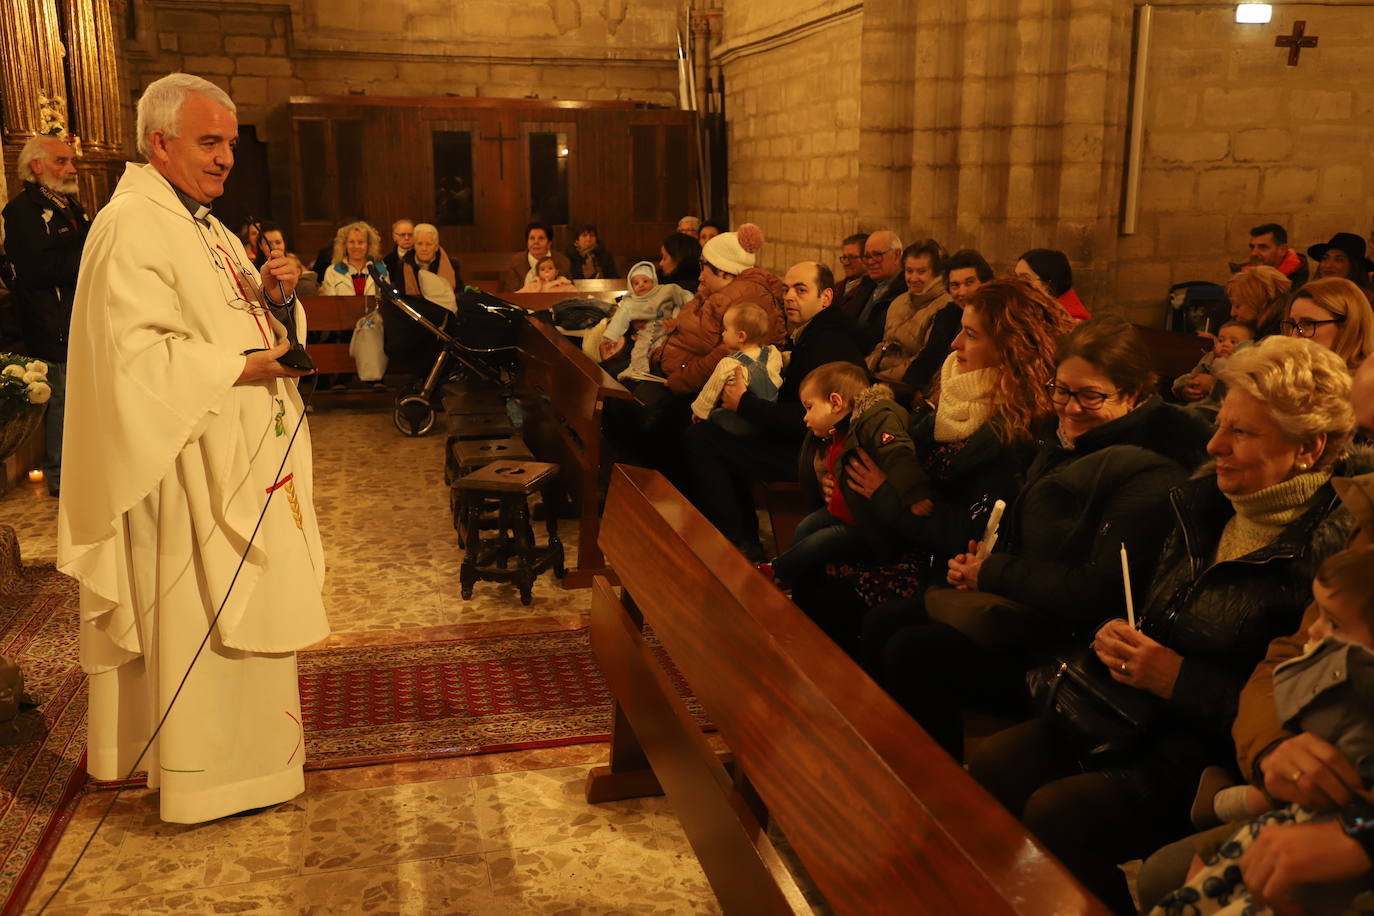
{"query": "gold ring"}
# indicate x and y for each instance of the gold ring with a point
(1123, 667)
(1297, 774)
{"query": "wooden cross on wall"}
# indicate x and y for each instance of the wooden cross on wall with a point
(1296, 42)
(500, 140)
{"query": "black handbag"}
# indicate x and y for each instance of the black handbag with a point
(1101, 719)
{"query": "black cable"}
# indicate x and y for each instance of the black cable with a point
(305, 406)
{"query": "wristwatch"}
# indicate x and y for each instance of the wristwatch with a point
(1357, 820)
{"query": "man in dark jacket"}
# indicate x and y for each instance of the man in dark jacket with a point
(403, 234)
(883, 262)
(721, 467)
(45, 230)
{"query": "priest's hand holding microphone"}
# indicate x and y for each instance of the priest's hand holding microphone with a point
(278, 276)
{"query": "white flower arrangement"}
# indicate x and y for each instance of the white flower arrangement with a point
(23, 385)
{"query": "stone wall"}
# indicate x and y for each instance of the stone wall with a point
(262, 54)
(1002, 125)
(1234, 137)
(792, 107)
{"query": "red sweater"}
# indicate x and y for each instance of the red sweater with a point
(837, 506)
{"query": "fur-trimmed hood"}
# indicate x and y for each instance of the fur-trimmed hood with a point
(870, 397)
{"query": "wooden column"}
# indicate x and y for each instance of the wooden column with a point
(95, 106)
(30, 67)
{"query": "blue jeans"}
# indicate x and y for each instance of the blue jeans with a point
(52, 425)
(820, 538)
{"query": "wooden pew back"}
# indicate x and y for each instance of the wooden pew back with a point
(1172, 353)
(563, 392)
(334, 313)
(882, 818)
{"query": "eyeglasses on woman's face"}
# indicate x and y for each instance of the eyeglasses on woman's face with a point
(1087, 398)
(1306, 327)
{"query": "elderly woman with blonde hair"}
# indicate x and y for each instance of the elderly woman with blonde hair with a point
(1335, 313)
(1258, 296)
(356, 245)
(1235, 573)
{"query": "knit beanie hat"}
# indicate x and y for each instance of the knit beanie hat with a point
(733, 252)
(643, 267)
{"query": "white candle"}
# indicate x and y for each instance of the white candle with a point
(1126, 581)
(990, 532)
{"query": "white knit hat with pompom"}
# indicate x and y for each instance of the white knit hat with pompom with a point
(734, 252)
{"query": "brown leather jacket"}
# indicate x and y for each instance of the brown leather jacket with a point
(1257, 729)
(691, 352)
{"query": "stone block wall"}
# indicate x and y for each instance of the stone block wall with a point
(1235, 137)
(792, 107)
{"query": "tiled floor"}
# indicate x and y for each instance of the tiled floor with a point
(506, 833)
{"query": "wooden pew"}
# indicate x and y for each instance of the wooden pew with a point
(562, 392)
(883, 820)
(334, 313)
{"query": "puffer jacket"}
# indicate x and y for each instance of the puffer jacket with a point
(691, 352)
(1060, 545)
(1257, 728)
(906, 330)
(1222, 616)
(878, 425)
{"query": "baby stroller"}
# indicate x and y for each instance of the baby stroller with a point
(479, 342)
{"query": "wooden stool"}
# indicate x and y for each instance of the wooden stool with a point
(466, 456)
(480, 426)
(510, 483)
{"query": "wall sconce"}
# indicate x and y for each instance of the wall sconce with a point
(1254, 13)
(35, 476)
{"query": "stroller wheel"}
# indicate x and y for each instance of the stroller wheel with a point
(413, 416)
(406, 391)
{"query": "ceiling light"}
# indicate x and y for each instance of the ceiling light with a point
(1254, 13)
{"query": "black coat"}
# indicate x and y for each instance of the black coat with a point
(872, 327)
(966, 478)
(1059, 549)
(604, 260)
(944, 327)
(830, 337)
(1221, 617)
(46, 253)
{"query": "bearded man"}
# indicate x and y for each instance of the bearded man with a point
(45, 229)
(186, 514)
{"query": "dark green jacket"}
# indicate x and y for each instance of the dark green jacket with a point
(878, 425)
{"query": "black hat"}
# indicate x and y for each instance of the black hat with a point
(1354, 248)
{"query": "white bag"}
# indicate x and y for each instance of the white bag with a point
(367, 347)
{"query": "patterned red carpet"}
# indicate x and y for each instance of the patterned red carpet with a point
(39, 777)
(378, 704)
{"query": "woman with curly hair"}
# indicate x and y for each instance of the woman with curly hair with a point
(974, 442)
(355, 246)
(1100, 478)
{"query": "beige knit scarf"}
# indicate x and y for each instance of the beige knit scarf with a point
(1261, 516)
(965, 400)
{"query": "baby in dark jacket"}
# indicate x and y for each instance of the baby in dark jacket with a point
(845, 414)
(1328, 691)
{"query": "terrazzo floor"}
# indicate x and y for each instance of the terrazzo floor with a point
(502, 833)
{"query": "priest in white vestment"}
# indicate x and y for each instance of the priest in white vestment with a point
(176, 435)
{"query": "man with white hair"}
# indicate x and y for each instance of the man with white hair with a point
(689, 225)
(45, 229)
(186, 514)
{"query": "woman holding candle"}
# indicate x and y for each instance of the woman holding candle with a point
(1234, 574)
(975, 445)
(1099, 478)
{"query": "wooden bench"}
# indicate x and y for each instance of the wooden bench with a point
(334, 313)
(562, 392)
(883, 820)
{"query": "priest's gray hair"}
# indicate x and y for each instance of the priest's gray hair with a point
(159, 108)
(33, 149)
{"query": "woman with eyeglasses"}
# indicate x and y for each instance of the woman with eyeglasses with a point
(1235, 573)
(1334, 313)
(1100, 478)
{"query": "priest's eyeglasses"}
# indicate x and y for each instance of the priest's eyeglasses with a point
(1087, 398)
(1306, 327)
